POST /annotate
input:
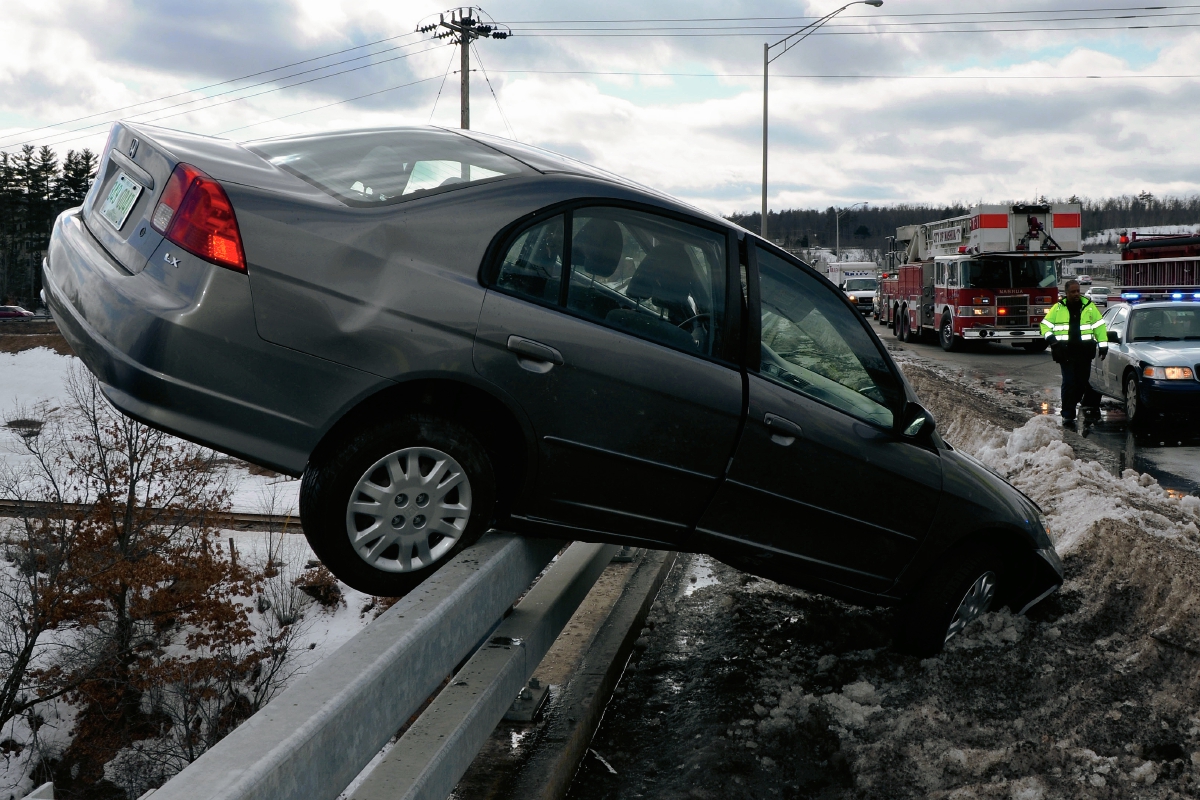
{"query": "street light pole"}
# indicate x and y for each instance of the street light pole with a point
(837, 225)
(787, 44)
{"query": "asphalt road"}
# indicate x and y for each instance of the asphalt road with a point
(1169, 453)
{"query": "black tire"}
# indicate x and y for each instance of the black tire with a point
(334, 475)
(946, 337)
(896, 322)
(905, 331)
(1035, 347)
(1135, 409)
(924, 622)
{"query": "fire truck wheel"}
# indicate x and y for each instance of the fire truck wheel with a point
(1036, 347)
(946, 336)
(905, 331)
(956, 592)
(895, 322)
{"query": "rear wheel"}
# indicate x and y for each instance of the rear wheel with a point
(946, 337)
(396, 501)
(896, 322)
(905, 334)
(961, 589)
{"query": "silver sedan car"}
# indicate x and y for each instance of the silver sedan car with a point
(1153, 361)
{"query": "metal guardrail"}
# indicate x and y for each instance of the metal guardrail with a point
(316, 737)
(436, 751)
(235, 520)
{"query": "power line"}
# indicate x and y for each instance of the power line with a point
(330, 105)
(503, 116)
(449, 64)
(864, 32)
(777, 25)
(213, 85)
(232, 100)
(871, 16)
(841, 77)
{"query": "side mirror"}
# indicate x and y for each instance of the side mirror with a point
(1114, 337)
(916, 423)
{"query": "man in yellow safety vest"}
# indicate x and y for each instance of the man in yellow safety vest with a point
(1075, 331)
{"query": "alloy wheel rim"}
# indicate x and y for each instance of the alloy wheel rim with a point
(1130, 399)
(408, 510)
(975, 602)
(947, 333)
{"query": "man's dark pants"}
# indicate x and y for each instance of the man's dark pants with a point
(1075, 386)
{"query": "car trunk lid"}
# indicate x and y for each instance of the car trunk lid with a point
(133, 170)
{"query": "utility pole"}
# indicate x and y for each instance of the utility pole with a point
(464, 27)
(787, 43)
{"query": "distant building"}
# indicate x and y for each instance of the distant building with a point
(1097, 265)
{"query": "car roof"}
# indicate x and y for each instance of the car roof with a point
(544, 162)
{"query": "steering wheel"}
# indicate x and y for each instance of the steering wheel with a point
(693, 319)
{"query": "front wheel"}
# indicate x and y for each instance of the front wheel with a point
(394, 502)
(1135, 410)
(958, 592)
(946, 337)
(1035, 347)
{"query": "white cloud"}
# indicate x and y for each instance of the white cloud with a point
(979, 133)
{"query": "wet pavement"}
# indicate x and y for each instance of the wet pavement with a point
(1170, 452)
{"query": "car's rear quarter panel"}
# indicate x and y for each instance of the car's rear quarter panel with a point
(176, 346)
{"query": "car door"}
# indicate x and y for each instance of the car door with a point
(621, 368)
(822, 484)
(1111, 369)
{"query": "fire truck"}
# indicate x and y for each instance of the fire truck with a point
(1158, 268)
(988, 276)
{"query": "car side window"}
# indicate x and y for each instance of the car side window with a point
(813, 344)
(532, 265)
(654, 277)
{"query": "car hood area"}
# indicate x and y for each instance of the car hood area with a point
(1166, 354)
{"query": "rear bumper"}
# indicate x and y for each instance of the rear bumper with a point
(179, 351)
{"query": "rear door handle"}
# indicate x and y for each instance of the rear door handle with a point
(783, 431)
(534, 356)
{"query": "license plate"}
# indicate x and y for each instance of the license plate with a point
(121, 197)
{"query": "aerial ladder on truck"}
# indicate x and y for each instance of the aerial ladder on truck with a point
(989, 275)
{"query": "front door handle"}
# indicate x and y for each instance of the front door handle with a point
(783, 431)
(534, 356)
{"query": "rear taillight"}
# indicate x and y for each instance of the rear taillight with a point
(195, 213)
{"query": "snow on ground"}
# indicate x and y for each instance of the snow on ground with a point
(744, 688)
(322, 631)
(1111, 237)
(38, 376)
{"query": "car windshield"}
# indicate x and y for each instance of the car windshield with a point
(372, 167)
(1006, 273)
(1176, 323)
(862, 285)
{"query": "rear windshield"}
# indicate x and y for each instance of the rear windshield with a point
(378, 167)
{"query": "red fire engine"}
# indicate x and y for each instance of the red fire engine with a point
(1159, 268)
(988, 276)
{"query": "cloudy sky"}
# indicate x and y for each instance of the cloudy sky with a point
(917, 101)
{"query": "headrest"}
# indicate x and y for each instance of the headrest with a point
(664, 276)
(596, 247)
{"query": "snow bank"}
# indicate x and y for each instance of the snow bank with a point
(1075, 494)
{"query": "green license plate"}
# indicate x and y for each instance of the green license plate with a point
(121, 197)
